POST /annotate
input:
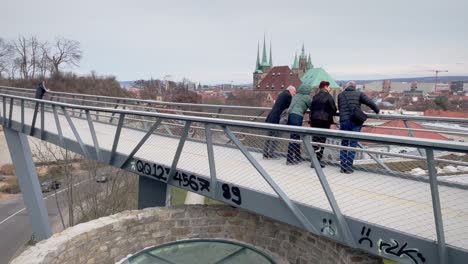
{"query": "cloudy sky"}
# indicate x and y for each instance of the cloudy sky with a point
(216, 41)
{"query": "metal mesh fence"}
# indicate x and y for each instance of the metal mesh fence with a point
(383, 184)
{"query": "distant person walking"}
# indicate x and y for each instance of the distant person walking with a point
(322, 111)
(299, 105)
(282, 103)
(40, 92)
(351, 119)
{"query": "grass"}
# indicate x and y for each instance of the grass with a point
(178, 196)
(209, 201)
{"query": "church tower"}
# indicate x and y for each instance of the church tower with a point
(262, 67)
(302, 64)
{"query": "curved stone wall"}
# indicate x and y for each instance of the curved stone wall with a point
(109, 239)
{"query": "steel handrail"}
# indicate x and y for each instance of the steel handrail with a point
(371, 115)
(397, 140)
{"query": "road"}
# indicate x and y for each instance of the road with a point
(15, 228)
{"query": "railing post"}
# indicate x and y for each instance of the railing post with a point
(328, 192)
(211, 160)
(411, 134)
(22, 115)
(436, 208)
(93, 135)
(140, 144)
(42, 121)
(116, 138)
(281, 194)
(4, 110)
(10, 114)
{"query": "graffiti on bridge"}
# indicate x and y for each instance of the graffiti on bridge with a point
(392, 248)
(230, 193)
(327, 227)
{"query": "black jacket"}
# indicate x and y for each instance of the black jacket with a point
(323, 107)
(40, 91)
(282, 102)
(354, 99)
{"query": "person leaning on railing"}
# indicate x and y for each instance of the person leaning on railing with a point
(322, 111)
(41, 90)
(299, 105)
(351, 119)
(281, 104)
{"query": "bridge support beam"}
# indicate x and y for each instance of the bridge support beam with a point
(29, 183)
(151, 193)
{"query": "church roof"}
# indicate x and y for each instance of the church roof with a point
(279, 78)
(315, 75)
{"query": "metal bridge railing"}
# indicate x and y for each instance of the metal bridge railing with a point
(448, 126)
(393, 185)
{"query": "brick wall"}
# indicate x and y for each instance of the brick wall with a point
(109, 239)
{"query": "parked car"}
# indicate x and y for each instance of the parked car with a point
(48, 186)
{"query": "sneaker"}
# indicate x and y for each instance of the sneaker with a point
(346, 171)
(288, 163)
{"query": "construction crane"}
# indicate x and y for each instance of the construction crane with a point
(436, 79)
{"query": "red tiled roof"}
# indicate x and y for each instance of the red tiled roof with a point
(403, 133)
(279, 78)
(445, 113)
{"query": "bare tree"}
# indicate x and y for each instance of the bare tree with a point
(28, 55)
(6, 57)
(47, 152)
(64, 52)
(22, 60)
(43, 63)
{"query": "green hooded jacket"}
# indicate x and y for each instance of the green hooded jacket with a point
(301, 101)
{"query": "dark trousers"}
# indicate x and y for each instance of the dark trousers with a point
(269, 151)
(319, 124)
(347, 156)
(294, 149)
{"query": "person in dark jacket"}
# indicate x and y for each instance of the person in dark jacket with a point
(322, 110)
(282, 103)
(349, 99)
(40, 90)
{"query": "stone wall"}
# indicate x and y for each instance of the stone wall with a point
(109, 239)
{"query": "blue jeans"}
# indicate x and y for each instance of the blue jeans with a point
(294, 149)
(347, 156)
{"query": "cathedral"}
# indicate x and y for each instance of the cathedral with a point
(299, 67)
(270, 80)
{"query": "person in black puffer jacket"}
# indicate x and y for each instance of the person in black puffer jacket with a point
(349, 99)
(282, 103)
(322, 110)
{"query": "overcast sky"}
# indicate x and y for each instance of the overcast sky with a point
(216, 41)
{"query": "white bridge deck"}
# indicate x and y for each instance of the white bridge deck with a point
(397, 203)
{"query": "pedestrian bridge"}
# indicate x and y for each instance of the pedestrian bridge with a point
(406, 201)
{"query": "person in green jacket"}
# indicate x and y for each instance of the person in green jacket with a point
(299, 105)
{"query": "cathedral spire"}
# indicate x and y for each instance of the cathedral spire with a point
(309, 63)
(296, 63)
(257, 65)
(271, 56)
(303, 51)
(264, 57)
